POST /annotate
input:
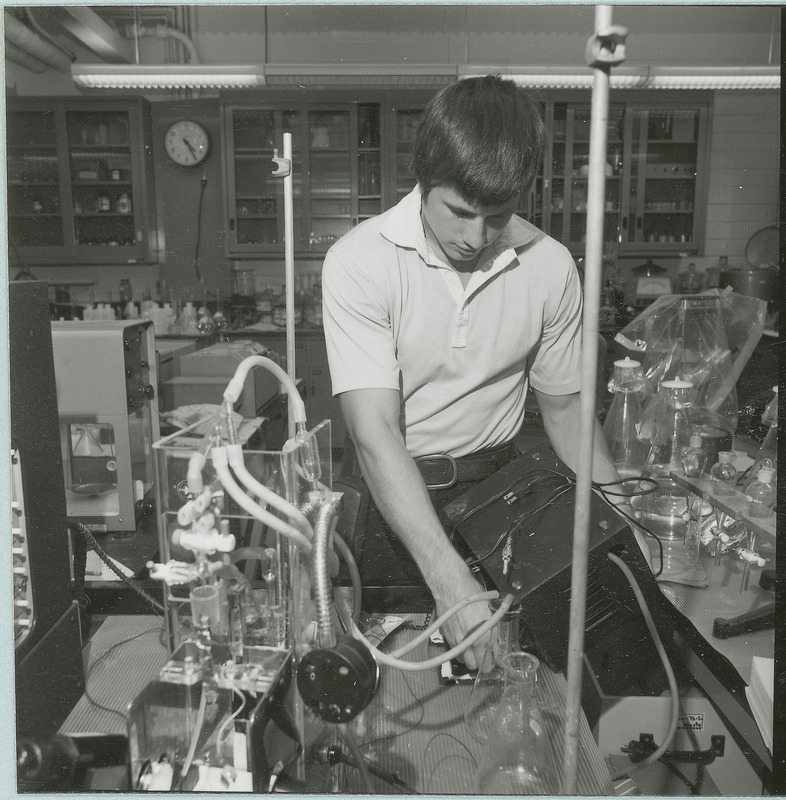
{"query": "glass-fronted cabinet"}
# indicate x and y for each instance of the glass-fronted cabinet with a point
(79, 184)
(654, 176)
(337, 174)
(666, 181)
(400, 130)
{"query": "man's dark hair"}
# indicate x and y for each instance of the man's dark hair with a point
(482, 137)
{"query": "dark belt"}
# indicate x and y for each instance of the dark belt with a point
(443, 471)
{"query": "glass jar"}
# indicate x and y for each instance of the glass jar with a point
(761, 494)
(694, 458)
(623, 422)
(723, 475)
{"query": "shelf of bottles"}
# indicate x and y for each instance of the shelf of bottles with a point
(330, 206)
(258, 196)
(664, 175)
(369, 179)
(102, 191)
(34, 203)
(406, 129)
(566, 178)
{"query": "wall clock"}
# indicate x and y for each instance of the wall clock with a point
(187, 143)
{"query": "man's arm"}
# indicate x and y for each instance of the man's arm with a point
(398, 489)
(562, 419)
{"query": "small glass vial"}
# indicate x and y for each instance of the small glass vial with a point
(724, 475)
(693, 458)
(761, 494)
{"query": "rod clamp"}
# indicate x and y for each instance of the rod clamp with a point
(606, 47)
(281, 166)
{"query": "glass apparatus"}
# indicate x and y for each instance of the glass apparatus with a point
(670, 440)
(518, 759)
(622, 426)
(768, 452)
(490, 681)
(761, 494)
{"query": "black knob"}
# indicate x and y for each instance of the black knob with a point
(149, 391)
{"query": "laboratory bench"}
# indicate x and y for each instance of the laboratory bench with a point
(414, 726)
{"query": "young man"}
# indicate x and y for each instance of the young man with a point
(438, 314)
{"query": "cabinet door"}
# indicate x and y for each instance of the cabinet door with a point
(108, 199)
(399, 132)
(331, 206)
(254, 197)
(38, 203)
(567, 175)
(79, 187)
(667, 179)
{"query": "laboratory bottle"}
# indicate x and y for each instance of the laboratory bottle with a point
(723, 475)
(490, 681)
(518, 759)
(671, 439)
(767, 455)
(623, 421)
(761, 494)
(694, 458)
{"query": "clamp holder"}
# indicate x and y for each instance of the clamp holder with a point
(606, 47)
(281, 166)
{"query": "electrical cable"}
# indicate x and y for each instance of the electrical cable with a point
(675, 698)
(463, 646)
(77, 528)
(100, 659)
(199, 224)
(346, 734)
(648, 532)
(421, 637)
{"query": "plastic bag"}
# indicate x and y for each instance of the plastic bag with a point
(704, 338)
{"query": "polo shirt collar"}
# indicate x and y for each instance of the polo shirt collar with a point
(404, 228)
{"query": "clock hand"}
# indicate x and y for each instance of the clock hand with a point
(190, 147)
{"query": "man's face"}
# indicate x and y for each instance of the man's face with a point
(460, 228)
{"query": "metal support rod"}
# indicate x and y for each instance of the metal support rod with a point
(289, 272)
(596, 191)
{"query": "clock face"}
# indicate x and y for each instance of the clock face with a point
(187, 143)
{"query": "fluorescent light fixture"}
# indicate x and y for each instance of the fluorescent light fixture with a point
(166, 76)
(327, 75)
(636, 77)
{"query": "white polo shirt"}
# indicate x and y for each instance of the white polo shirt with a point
(397, 317)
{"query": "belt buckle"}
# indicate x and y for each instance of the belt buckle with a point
(436, 459)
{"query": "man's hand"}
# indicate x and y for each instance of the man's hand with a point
(461, 585)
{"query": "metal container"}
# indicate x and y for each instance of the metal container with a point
(761, 283)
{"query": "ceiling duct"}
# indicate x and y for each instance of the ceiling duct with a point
(87, 29)
(31, 44)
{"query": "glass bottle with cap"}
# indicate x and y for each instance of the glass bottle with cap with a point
(623, 421)
(694, 458)
(670, 441)
(761, 494)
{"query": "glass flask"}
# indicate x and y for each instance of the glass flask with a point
(723, 475)
(761, 494)
(768, 452)
(623, 422)
(518, 759)
(670, 440)
(694, 458)
(490, 680)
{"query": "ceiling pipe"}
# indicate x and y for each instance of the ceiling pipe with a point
(23, 59)
(19, 34)
(166, 32)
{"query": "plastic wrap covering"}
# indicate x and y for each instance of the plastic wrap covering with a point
(706, 339)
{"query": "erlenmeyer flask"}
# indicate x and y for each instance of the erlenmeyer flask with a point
(670, 440)
(767, 456)
(623, 422)
(517, 758)
(490, 681)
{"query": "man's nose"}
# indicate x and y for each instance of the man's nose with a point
(475, 233)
